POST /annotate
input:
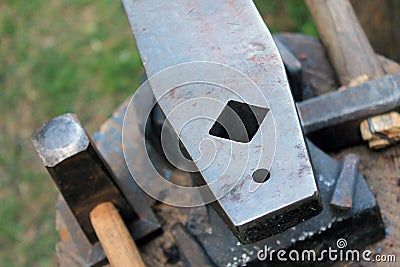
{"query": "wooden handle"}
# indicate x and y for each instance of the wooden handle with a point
(114, 237)
(348, 47)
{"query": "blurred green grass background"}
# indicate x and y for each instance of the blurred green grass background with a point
(67, 56)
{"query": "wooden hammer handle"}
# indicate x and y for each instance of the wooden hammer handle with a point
(348, 47)
(114, 237)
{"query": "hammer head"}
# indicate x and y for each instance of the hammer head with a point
(80, 173)
(337, 115)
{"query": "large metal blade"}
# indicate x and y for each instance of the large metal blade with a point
(233, 35)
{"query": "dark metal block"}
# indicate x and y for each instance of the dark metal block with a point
(191, 252)
(353, 104)
(337, 115)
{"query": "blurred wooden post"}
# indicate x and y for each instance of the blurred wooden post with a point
(381, 23)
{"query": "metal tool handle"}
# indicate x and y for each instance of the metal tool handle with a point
(114, 236)
(348, 47)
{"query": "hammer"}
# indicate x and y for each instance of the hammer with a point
(87, 184)
(358, 70)
(348, 47)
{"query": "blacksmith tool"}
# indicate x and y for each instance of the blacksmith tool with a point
(368, 91)
(234, 37)
(342, 197)
(108, 142)
(87, 185)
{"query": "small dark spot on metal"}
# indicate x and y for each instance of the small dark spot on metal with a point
(261, 175)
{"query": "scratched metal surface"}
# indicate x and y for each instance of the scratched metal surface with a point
(73, 141)
(233, 33)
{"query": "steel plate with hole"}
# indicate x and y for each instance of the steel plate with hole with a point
(235, 117)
